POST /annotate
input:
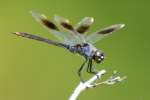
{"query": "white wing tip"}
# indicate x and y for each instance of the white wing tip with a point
(122, 25)
(91, 19)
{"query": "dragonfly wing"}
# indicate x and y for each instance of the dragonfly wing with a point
(64, 24)
(95, 37)
(84, 25)
(50, 26)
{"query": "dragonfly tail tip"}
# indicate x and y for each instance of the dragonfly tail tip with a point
(16, 33)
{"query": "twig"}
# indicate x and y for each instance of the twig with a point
(91, 83)
(82, 86)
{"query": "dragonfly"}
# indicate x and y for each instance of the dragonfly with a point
(74, 38)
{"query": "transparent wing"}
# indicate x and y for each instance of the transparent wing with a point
(95, 37)
(51, 27)
(84, 25)
(64, 24)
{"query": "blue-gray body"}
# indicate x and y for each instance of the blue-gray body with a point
(87, 50)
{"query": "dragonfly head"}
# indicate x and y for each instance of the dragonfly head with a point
(98, 56)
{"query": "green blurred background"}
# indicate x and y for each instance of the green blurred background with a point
(30, 70)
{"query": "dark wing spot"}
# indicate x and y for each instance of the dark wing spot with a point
(67, 26)
(49, 24)
(106, 31)
(82, 29)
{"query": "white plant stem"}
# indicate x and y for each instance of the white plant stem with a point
(91, 83)
(82, 86)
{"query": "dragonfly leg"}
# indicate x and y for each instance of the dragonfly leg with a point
(80, 70)
(90, 68)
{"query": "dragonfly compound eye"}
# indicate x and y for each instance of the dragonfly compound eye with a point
(98, 56)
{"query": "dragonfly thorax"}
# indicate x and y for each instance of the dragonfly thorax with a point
(87, 50)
